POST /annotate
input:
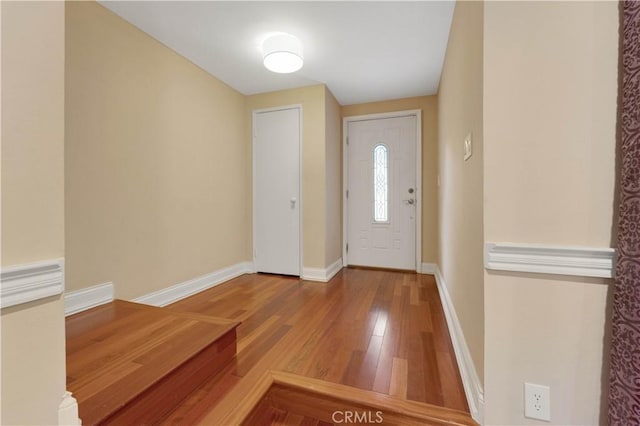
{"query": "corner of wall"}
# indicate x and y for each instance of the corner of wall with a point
(333, 180)
(33, 332)
(460, 194)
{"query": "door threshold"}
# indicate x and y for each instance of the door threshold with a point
(383, 269)
(279, 275)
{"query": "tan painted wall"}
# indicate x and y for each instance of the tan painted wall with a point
(333, 148)
(461, 199)
(33, 368)
(32, 133)
(155, 161)
(312, 99)
(550, 76)
(428, 105)
(33, 362)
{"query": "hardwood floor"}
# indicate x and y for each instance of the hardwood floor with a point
(373, 330)
(269, 415)
(286, 398)
(129, 363)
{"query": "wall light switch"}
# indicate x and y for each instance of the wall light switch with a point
(467, 147)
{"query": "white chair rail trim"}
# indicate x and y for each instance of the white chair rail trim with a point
(31, 281)
(548, 259)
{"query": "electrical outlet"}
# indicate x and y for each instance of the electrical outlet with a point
(537, 402)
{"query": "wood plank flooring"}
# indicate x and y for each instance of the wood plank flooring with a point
(129, 363)
(289, 399)
(373, 330)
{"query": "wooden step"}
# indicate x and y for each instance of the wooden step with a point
(280, 394)
(129, 363)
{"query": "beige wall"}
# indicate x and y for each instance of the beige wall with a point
(333, 149)
(312, 99)
(32, 133)
(461, 196)
(550, 86)
(33, 362)
(155, 161)
(428, 105)
(33, 353)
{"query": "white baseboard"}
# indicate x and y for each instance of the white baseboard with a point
(334, 268)
(549, 259)
(180, 291)
(470, 380)
(428, 268)
(314, 274)
(68, 411)
(87, 298)
(31, 281)
(320, 274)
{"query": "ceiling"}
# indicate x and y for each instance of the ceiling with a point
(363, 51)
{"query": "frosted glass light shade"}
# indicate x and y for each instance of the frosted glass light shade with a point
(282, 53)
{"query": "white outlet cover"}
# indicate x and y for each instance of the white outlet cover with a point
(537, 402)
(467, 147)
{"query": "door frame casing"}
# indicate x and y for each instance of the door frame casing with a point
(253, 179)
(345, 176)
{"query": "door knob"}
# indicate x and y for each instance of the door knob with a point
(409, 201)
(293, 201)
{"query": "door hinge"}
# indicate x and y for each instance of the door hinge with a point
(347, 140)
(347, 193)
(347, 247)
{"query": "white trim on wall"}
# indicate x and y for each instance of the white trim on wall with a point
(68, 411)
(470, 380)
(320, 274)
(428, 268)
(549, 259)
(87, 298)
(418, 188)
(31, 281)
(180, 291)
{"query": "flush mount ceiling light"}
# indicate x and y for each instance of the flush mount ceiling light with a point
(282, 53)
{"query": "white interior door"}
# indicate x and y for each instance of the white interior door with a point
(381, 201)
(276, 183)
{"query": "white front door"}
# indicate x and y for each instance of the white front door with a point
(381, 198)
(276, 183)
